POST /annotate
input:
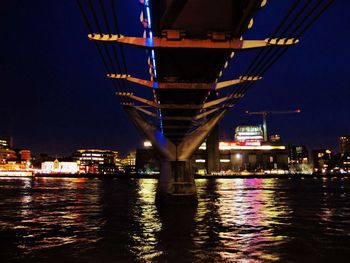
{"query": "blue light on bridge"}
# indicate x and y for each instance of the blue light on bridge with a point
(148, 17)
(152, 53)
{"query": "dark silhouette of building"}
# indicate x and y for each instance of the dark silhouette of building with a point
(147, 161)
(298, 154)
(344, 144)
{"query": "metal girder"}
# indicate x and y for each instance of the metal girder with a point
(242, 79)
(193, 140)
(176, 118)
(147, 112)
(157, 42)
(160, 106)
(181, 85)
(164, 146)
(162, 85)
(206, 113)
(178, 106)
(143, 82)
(184, 85)
(137, 98)
(218, 101)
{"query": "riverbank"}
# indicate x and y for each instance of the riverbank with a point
(135, 176)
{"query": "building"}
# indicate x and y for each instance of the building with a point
(252, 158)
(6, 153)
(128, 163)
(249, 135)
(96, 161)
(299, 159)
(60, 167)
(5, 143)
(344, 144)
(25, 155)
(298, 154)
(322, 160)
(247, 153)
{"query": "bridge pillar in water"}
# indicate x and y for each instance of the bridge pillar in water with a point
(176, 185)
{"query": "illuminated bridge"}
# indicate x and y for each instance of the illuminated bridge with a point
(188, 43)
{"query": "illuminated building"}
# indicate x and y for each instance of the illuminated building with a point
(341, 163)
(96, 161)
(60, 167)
(129, 163)
(237, 157)
(255, 158)
(14, 166)
(321, 159)
(25, 155)
(247, 153)
(5, 143)
(7, 155)
(344, 144)
(249, 135)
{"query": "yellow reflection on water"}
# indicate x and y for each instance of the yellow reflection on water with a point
(145, 214)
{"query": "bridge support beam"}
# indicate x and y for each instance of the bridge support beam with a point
(176, 185)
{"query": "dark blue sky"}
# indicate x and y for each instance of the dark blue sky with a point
(55, 98)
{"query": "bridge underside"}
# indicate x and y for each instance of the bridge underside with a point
(191, 20)
(189, 43)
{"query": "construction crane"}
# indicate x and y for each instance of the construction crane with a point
(267, 113)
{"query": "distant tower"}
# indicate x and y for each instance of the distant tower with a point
(344, 144)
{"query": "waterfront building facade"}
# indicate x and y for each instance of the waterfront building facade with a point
(96, 161)
(237, 158)
(59, 167)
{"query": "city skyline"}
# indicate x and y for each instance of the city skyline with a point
(58, 99)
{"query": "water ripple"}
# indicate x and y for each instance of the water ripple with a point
(237, 220)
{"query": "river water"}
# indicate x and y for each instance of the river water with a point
(115, 220)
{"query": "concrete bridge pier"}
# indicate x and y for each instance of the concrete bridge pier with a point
(176, 185)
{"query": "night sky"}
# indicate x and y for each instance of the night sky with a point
(55, 97)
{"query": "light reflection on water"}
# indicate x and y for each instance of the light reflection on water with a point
(115, 220)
